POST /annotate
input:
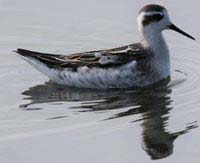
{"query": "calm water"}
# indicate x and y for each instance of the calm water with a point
(41, 122)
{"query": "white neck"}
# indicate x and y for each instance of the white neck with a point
(152, 38)
(155, 42)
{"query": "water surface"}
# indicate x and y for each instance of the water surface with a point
(44, 122)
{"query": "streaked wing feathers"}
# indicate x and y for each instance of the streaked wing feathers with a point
(102, 58)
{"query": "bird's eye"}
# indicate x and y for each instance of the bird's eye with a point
(152, 18)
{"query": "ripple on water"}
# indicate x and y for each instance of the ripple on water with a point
(150, 107)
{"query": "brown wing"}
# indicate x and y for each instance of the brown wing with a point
(102, 58)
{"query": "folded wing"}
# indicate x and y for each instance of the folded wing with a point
(102, 58)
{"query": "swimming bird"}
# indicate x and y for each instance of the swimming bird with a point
(136, 65)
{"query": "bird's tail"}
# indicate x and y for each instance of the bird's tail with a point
(50, 60)
(43, 62)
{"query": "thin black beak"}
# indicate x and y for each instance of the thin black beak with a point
(175, 28)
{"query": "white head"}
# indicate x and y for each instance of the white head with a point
(153, 19)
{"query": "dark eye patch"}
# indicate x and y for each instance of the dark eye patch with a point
(153, 18)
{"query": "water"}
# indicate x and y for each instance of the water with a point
(43, 122)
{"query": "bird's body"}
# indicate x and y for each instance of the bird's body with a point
(136, 65)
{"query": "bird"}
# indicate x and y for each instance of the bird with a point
(136, 65)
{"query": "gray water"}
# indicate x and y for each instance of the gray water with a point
(41, 122)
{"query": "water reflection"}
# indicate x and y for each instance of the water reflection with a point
(153, 105)
(157, 142)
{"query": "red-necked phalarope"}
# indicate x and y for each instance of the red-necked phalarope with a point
(136, 65)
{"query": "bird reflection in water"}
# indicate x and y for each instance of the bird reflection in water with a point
(152, 104)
